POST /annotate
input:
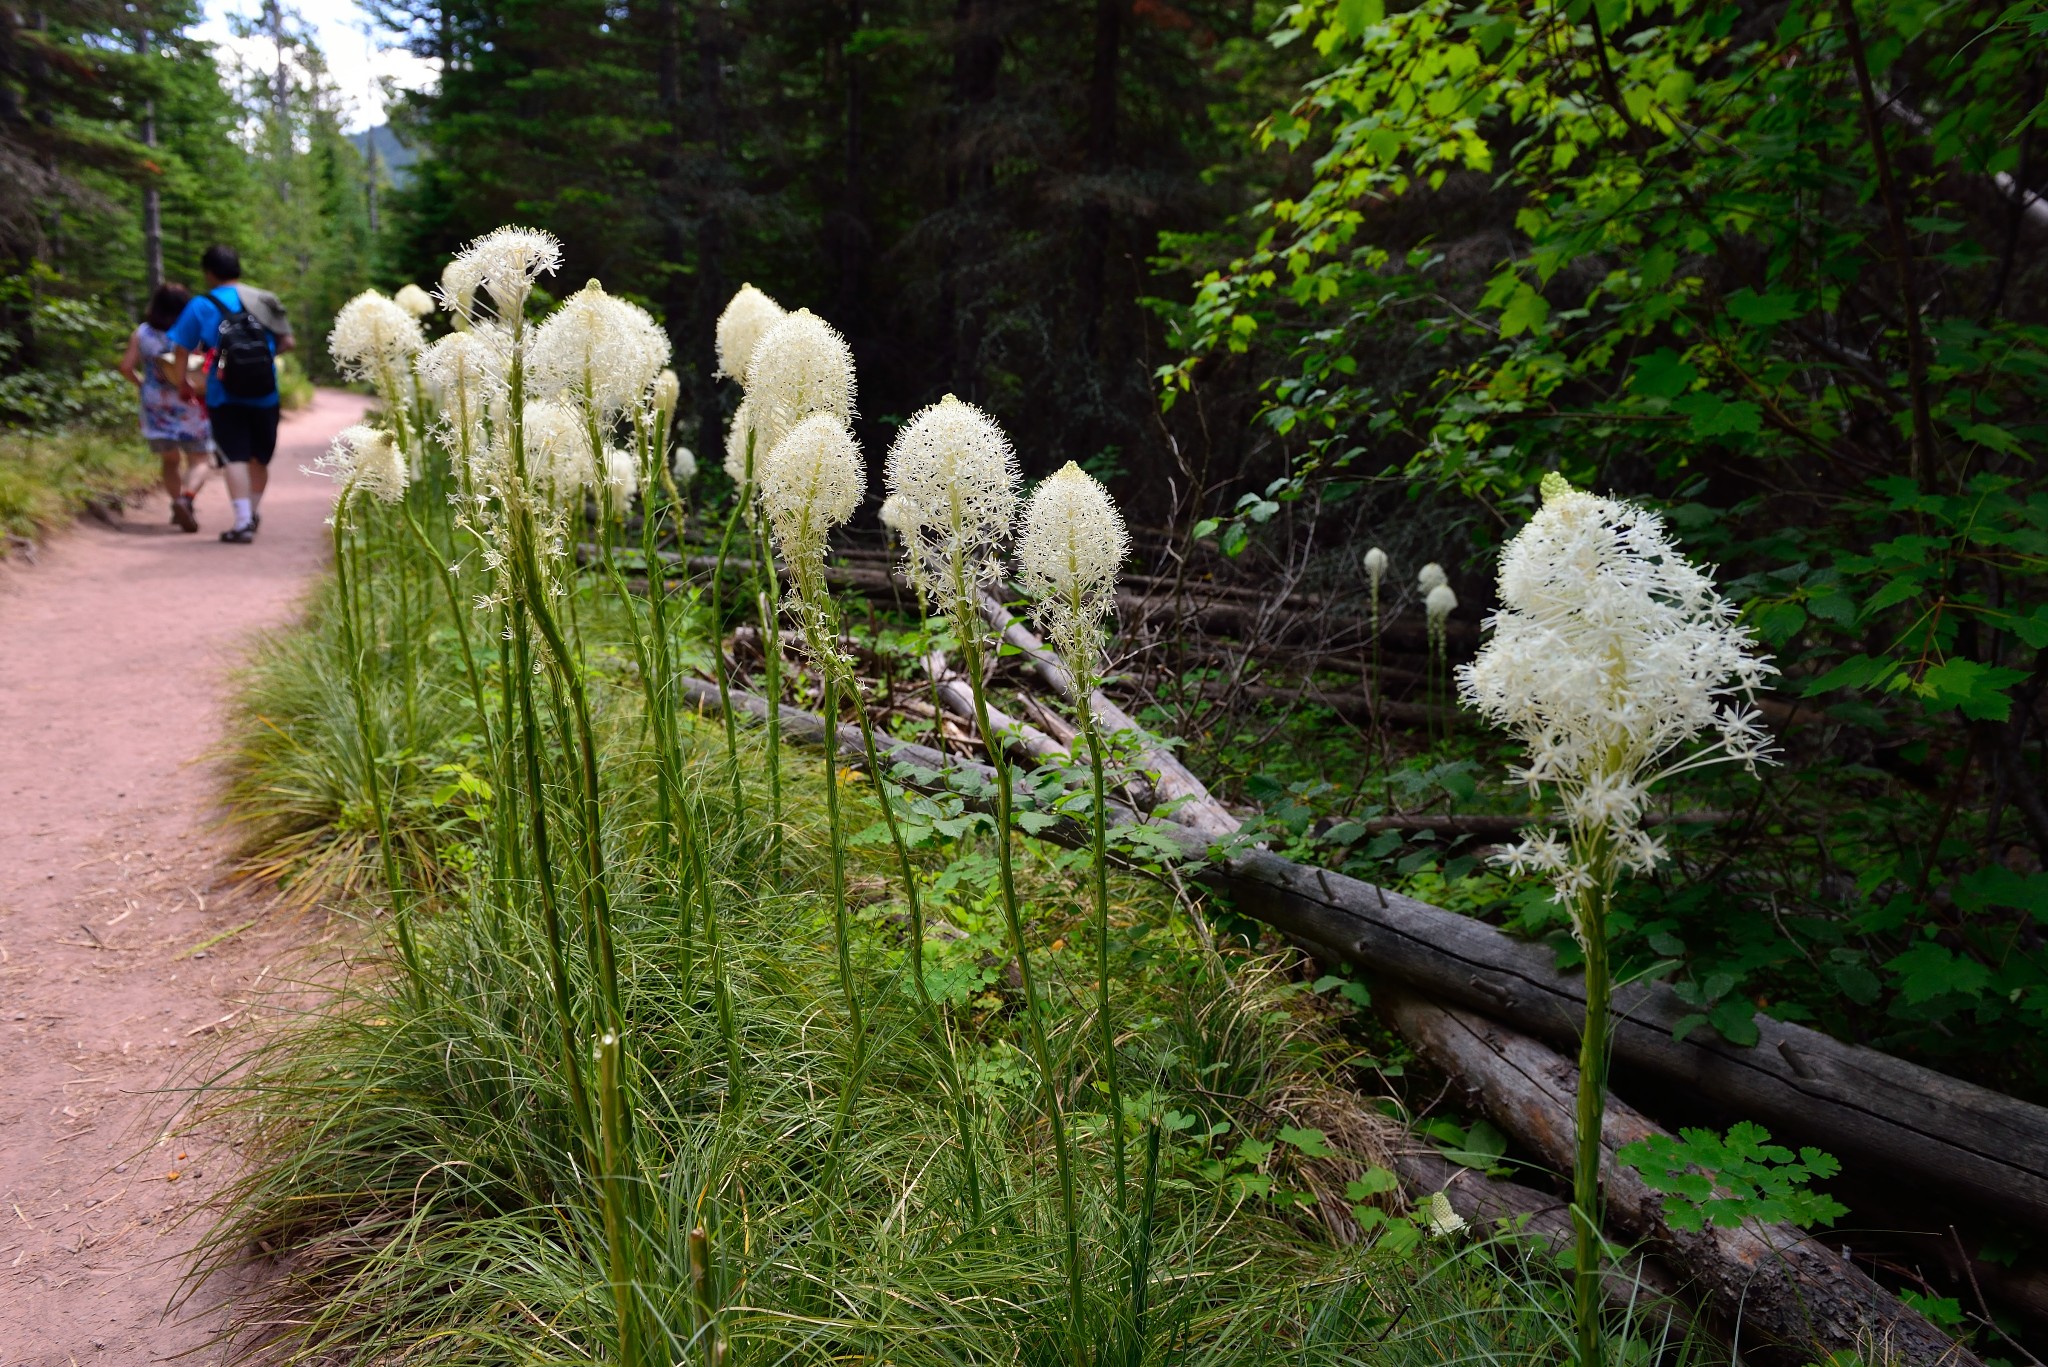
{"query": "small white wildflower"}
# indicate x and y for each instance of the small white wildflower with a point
(956, 473)
(373, 339)
(891, 514)
(1431, 577)
(1610, 655)
(800, 366)
(1441, 1217)
(1072, 546)
(457, 293)
(1439, 605)
(414, 300)
(364, 459)
(748, 314)
(1376, 566)
(682, 466)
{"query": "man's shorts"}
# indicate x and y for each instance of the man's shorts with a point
(244, 432)
(164, 446)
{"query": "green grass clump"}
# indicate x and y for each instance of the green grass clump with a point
(423, 1166)
(48, 478)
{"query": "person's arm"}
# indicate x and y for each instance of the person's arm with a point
(286, 343)
(127, 363)
(180, 360)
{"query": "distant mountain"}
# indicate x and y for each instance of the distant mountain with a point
(394, 156)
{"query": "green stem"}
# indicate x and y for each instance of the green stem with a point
(1592, 1103)
(401, 911)
(967, 625)
(1099, 853)
(841, 929)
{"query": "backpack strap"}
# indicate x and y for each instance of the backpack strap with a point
(219, 303)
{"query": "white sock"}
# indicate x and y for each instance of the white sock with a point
(255, 502)
(242, 511)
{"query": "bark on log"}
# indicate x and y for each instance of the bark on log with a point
(1942, 1135)
(1777, 1287)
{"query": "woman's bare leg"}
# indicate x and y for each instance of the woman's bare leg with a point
(198, 465)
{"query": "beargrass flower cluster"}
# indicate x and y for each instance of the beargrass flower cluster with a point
(956, 475)
(747, 316)
(1072, 546)
(374, 339)
(365, 460)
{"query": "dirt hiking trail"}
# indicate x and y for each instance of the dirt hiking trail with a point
(124, 944)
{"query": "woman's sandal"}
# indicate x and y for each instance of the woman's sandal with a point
(240, 536)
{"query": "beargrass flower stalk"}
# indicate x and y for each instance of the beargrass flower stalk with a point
(800, 366)
(364, 460)
(1610, 657)
(1376, 573)
(1071, 549)
(1437, 606)
(956, 473)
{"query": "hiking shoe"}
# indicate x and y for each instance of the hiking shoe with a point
(240, 536)
(182, 514)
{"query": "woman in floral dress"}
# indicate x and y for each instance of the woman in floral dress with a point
(175, 427)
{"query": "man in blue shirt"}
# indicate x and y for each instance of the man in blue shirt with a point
(241, 384)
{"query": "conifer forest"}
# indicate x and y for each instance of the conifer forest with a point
(1103, 682)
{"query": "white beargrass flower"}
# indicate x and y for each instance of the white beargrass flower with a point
(956, 474)
(1610, 655)
(742, 466)
(364, 459)
(601, 351)
(800, 366)
(374, 339)
(461, 372)
(682, 466)
(747, 315)
(413, 300)
(1376, 566)
(503, 264)
(1071, 548)
(664, 392)
(811, 482)
(1440, 603)
(621, 477)
(891, 515)
(558, 454)
(1432, 577)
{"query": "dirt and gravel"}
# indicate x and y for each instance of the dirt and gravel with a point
(127, 946)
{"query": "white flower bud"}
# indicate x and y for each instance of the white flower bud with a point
(957, 477)
(1376, 566)
(811, 482)
(414, 300)
(621, 477)
(1431, 577)
(373, 338)
(1440, 604)
(747, 316)
(891, 515)
(800, 366)
(558, 454)
(666, 389)
(737, 434)
(365, 459)
(1072, 546)
(599, 350)
(682, 466)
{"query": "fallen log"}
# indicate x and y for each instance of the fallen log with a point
(1773, 1285)
(1940, 1135)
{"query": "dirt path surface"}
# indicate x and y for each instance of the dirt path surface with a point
(124, 946)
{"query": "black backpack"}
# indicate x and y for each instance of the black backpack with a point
(243, 363)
